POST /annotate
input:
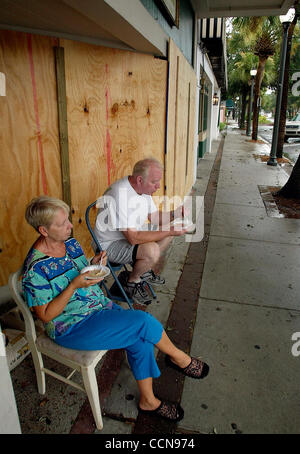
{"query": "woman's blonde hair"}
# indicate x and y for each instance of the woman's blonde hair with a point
(41, 210)
(141, 168)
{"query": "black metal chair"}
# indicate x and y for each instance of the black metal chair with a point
(114, 267)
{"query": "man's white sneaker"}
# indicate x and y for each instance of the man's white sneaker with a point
(152, 278)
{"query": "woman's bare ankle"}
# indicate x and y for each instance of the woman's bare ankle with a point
(149, 404)
(181, 360)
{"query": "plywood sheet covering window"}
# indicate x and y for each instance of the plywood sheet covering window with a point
(30, 161)
(179, 162)
(116, 104)
(116, 109)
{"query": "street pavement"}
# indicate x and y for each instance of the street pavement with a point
(291, 149)
(247, 313)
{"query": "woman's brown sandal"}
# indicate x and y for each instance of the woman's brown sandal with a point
(196, 368)
(167, 410)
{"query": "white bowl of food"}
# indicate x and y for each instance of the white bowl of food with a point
(96, 271)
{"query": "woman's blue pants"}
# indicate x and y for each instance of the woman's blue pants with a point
(134, 330)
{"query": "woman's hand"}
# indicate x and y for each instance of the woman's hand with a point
(81, 281)
(49, 311)
(96, 260)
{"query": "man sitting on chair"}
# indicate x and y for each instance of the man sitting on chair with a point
(122, 226)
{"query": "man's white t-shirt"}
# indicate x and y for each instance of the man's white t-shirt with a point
(121, 208)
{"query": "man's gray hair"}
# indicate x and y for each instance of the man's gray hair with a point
(141, 168)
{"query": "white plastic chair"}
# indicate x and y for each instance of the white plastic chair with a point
(79, 360)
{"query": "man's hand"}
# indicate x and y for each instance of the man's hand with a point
(177, 230)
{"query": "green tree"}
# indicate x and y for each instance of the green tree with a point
(268, 102)
(240, 60)
(261, 33)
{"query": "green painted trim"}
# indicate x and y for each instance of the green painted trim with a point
(202, 148)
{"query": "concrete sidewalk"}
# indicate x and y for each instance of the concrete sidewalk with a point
(248, 310)
(248, 307)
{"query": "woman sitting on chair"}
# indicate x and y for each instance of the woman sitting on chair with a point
(78, 315)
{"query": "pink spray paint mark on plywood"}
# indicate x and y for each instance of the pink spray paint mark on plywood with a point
(108, 155)
(107, 104)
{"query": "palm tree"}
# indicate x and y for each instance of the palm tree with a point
(261, 33)
(264, 48)
(240, 61)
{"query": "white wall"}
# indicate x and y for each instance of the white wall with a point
(215, 116)
(9, 419)
(203, 63)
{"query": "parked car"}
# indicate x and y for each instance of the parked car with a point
(292, 128)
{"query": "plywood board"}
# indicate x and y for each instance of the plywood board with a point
(116, 109)
(116, 116)
(179, 169)
(30, 163)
